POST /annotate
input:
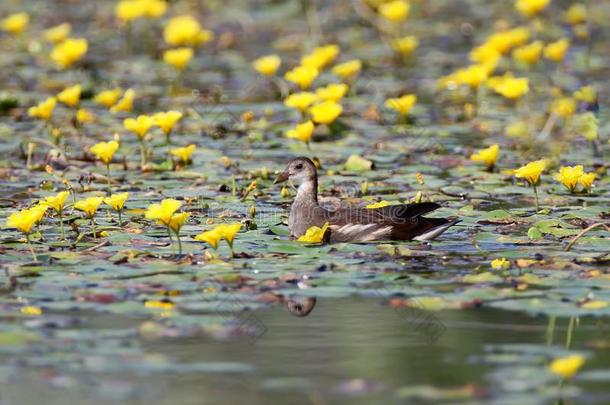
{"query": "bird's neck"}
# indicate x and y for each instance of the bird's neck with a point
(307, 193)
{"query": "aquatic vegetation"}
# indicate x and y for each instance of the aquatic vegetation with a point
(488, 156)
(315, 234)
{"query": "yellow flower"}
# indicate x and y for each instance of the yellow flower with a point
(167, 120)
(332, 92)
(530, 8)
(488, 156)
(405, 45)
(500, 264)
(116, 201)
(15, 23)
(568, 176)
(178, 57)
(108, 98)
(504, 41)
(212, 237)
(164, 211)
(473, 75)
(576, 14)
(302, 76)
(314, 234)
(177, 220)
(129, 10)
(84, 116)
(529, 54)
(531, 171)
(43, 110)
(154, 8)
(347, 70)
(517, 129)
(564, 107)
(402, 105)
(513, 88)
(56, 202)
(586, 180)
(105, 150)
(556, 51)
(68, 52)
(125, 104)
(567, 367)
(140, 126)
(320, 57)
(380, 204)
(587, 94)
(31, 310)
(228, 232)
(23, 220)
(302, 132)
(57, 33)
(267, 65)
(186, 31)
(395, 11)
(300, 101)
(326, 112)
(184, 154)
(39, 210)
(596, 304)
(89, 205)
(70, 96)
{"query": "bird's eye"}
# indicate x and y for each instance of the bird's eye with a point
(299, 166)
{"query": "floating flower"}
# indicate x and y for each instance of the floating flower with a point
(315, 234)
(332, 92)
(567, 367)
(564, 107)
(395, 11)
(57, 33)
(302, 132)
(177, 220)
(530, 8)
(504, 41)
(56, 202)
(347, 70)
(488, 156)
(84, 116)
(140, 126)
(178, 58)
(220, 232)
(68, 52)
(167, 121)
(105, 150)
(531, 173)
(326, 112)
(186, 31)
(117, 201)
(500, 264)
(473, 76)
(569, 175)
(43, 110)
(300, 101)
(164, 211)
(125, 104)
(320, 57)
(402, 105)
(23, 220)
(129, 10)
(89, 205)
(576, 14)
(512, 88)
(184, 154)
(212, 238)
(31, 310)
(70, 96)
(588, 94)
(556, 51)
(405, 45)
(529, 54)
(108, 98)
(302, 76)
(267, 65)
(15, 23)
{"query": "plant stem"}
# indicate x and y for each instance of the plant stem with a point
(570, 332)
(142, 154)
(120, 220)
(550, 330)
(179, 244)
(171, 241)
(27, 238)
(61, 224)
(93, 227)
(108, 178)
(536, 198)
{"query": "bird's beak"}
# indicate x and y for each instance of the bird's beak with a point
(282, 177)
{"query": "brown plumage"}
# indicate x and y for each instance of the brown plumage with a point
(355, 224)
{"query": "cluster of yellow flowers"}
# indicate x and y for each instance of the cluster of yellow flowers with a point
(185, 33)
(572, 176)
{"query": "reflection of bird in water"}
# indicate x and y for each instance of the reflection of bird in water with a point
(301, 306)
